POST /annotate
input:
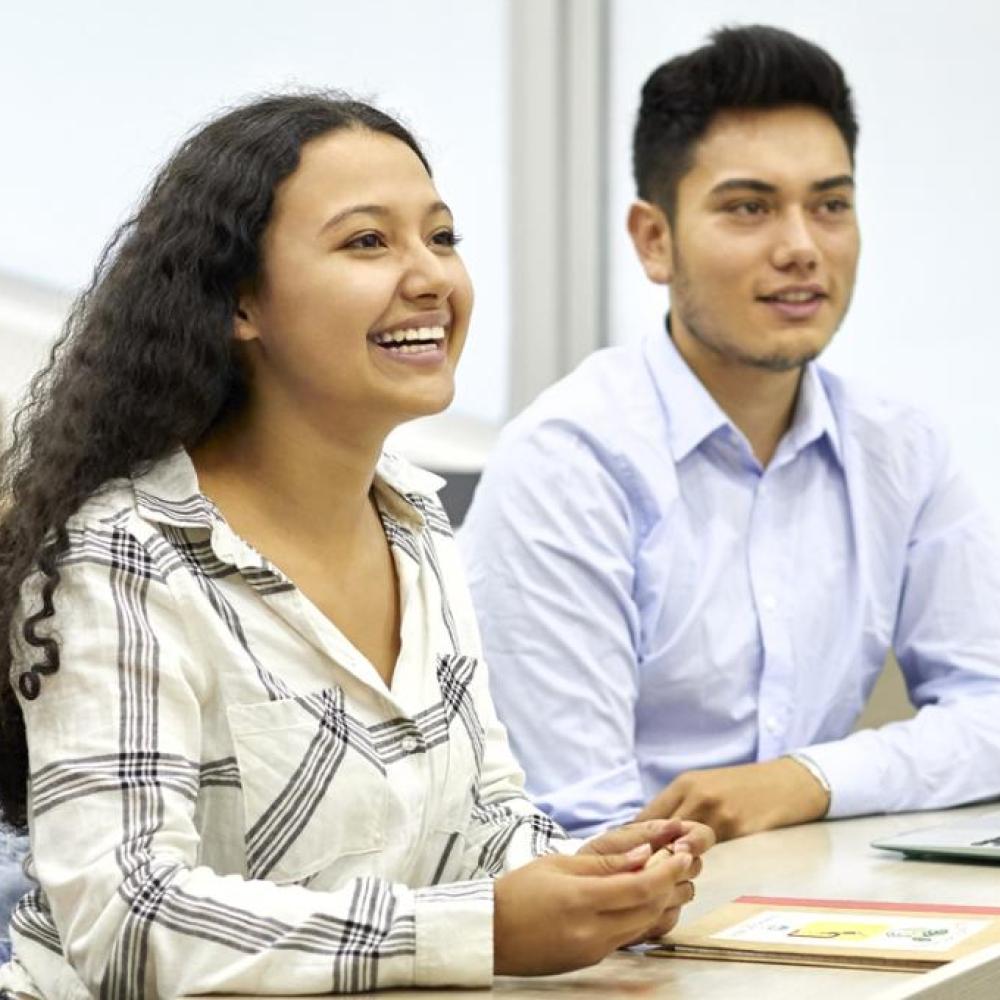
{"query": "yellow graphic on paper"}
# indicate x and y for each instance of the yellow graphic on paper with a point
(841, 930)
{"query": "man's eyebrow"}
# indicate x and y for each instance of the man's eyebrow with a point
(762, 187)
(744, 184)
(841, 180)
(377, 210)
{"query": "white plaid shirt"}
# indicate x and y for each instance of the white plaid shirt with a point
(225, 796)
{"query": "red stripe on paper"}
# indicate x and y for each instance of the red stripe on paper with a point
(866, 904)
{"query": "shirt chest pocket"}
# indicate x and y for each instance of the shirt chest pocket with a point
(313, 788)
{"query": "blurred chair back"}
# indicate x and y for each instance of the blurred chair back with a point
(452, 445)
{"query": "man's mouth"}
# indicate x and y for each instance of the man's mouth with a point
(795, 304)
(415, 340)
(796, 296)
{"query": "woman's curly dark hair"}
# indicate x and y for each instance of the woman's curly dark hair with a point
(146, 360)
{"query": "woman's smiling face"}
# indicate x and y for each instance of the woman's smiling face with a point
(363, 303)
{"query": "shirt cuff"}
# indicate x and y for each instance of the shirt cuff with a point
(804, 760)
(454, 934)
(854, 773)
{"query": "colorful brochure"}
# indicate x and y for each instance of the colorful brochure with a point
(897, 937)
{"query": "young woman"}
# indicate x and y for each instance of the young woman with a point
(260, 749)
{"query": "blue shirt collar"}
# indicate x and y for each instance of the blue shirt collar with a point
(814, 418)
(693, 416)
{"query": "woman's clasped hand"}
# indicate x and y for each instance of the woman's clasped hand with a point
(564, 912)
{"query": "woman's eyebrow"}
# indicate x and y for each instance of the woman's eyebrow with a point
(353, 210)
(439, 206)
(377, 210)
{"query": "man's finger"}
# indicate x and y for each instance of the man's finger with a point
(696, 808)
(664, 806)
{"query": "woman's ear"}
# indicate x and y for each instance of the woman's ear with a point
(244, 325)
(651, 237)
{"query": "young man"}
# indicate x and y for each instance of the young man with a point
(691, 556)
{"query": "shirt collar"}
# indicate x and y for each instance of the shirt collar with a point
(406, 490)
(168, 492)
(693, 415)
(814, 417)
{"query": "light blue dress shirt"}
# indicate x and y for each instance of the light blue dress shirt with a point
(652, 600)
(13, 882)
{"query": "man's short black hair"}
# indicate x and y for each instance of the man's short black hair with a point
(754, 66)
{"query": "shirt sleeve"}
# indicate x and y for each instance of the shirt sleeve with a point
(549, 547)
(504, 830)
(947, 642)
(114, 742)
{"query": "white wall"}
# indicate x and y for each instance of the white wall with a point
(29, 318)
(95, 95)
(926, 78)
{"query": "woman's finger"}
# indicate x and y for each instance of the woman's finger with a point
(655, 832)
(695, 838)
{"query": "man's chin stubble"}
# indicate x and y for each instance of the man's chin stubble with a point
(777, 362)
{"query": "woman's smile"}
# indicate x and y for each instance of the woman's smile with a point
(418, 340)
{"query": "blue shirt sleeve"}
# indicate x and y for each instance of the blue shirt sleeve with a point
(947, 642)
(13, 882)
(549, 546)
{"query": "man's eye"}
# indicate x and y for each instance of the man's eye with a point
(446, 238)
(748, 209)
(366, 241)
(836, 206)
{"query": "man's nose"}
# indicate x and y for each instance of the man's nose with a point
(795, 245)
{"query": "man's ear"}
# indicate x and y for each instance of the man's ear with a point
(651, 237)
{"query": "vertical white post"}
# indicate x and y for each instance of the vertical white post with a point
(558, 189)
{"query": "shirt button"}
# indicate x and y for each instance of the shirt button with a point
(769, 602)
(772, 725)
(408, 744)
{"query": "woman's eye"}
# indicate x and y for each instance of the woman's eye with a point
(446, 238)
(366, 241)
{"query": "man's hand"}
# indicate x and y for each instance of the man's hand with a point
(746, 798)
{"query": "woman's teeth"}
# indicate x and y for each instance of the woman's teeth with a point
(417, 340)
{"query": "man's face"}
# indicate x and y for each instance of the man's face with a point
(765, 242)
